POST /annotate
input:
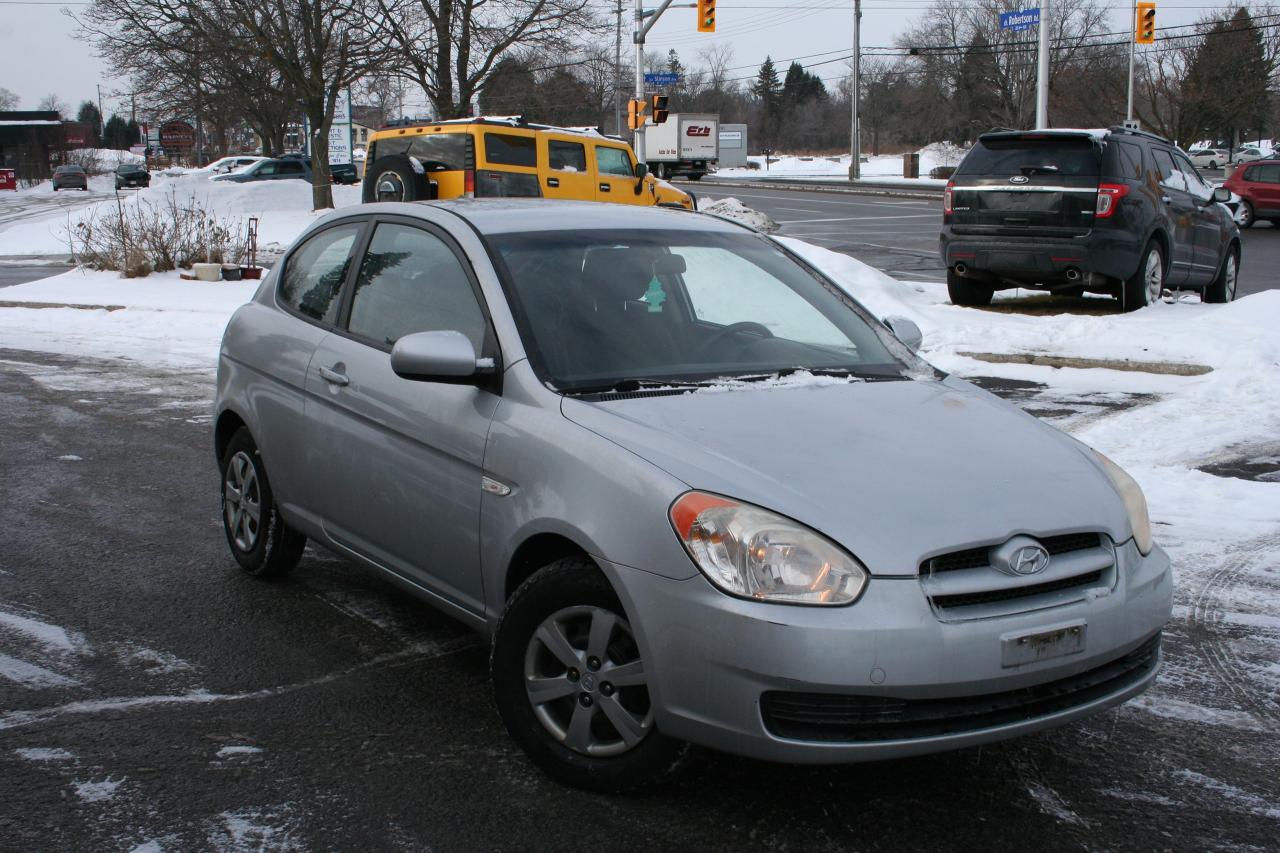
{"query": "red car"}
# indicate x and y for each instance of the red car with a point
(1258, 185)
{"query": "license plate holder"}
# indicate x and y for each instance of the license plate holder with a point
(1019, 649)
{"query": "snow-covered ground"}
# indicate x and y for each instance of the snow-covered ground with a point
(283, 208)
(878, 169)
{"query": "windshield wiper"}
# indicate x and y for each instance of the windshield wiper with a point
(641, 383)
(816, 371)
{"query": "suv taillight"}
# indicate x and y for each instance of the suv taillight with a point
(947, 200)
(1109, 196)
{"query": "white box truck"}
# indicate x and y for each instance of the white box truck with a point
(685, 144)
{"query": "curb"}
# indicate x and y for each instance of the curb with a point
(882, 190)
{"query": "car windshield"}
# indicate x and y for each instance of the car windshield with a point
(129, 167)
(603, 310)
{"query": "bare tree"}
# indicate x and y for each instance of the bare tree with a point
(450, 47)
(52, 103)
(8, 100)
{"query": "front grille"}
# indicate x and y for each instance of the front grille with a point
(1011, 593)
(849, 718)
(973, 558)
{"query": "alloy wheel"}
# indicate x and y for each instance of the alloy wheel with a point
(242, 501)
(389, 187)
(586, 682)
(1154, 277)
(1229, 275)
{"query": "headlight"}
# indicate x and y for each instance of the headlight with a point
(753, 553)
(1135, 503)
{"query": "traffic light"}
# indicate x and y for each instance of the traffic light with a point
(635, 113)
(706, 16)
(1145, 29)
(658, 103)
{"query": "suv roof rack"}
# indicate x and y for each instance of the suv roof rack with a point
(1131, 132)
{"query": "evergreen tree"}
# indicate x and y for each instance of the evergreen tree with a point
(1225, 89)
(135, 132)
(91, 117)
(768, 94)
(116, 134)
(673, 62)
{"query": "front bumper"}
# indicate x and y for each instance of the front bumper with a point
(714, 658)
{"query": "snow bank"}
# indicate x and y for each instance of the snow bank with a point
(837, 167)
(731, 208)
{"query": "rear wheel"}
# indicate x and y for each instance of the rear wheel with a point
(394, 179)
(1244, 215)
(1223, 288)
(1145, 286)
(571, 685)
(1213, 164)
(965, 292)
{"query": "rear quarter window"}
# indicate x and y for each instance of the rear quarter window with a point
(503, 149)
(1072, 157)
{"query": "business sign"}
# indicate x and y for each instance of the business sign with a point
(75, 134)
(340, 131)
(177, 134)
(661, 78)
(1019, 21)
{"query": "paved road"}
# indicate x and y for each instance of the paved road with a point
(155, 695)
(900, 236)
(11, 274)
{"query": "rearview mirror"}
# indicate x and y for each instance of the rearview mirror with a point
(1221, 194)
(906, 331)
(445, 356)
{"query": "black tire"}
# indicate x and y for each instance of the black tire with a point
(1223, 286)
(269, 548)
(1244, 216)
(1213, 164)
(965, 292)
(1135, 293)
(397, 170)
(694, 176)
(572, 586)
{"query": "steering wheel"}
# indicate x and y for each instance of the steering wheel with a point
(746, 326)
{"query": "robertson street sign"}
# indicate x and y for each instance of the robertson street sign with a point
(1019, 21)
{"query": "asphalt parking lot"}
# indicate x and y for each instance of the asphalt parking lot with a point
(158, 699)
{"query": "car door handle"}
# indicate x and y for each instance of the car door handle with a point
(334, 377)
(553, 182)
(604, 188)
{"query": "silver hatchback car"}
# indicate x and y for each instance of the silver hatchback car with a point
(691, 490)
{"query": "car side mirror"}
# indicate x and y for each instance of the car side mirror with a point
(906, 331)
(445, 356)
(1221, 194)
(642, 169)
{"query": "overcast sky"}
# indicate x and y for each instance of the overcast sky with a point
(39, 54)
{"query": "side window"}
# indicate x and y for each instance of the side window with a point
(1169, 174)
(613, 161)
(292, 167)
(267, 169)
(1264, 174)
(1195, 185)
(567, 156)
(411, 281)
(502, 149)
(314, 273)
(390, 147)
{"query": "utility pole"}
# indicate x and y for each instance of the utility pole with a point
(637, 37)
(617, 74)
(102, 119)
(1133, 49)
(1042, 69)
(855, 142)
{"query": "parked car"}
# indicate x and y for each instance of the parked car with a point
(1112, 211)
(560, 423)
(232, 163)
(1249, 153)
(1208, 158)
(507, 158)
(132, 175)
(278, 169)
(70, 178)
(343, 173)
(1258, 186)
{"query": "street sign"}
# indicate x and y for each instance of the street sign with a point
(661, 78)
(1019, 21)
(1132, 124)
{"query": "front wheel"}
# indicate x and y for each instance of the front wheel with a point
(1146, 286)
(1244, 215)
(1223, 288)
(261, 542)
(1213, 164)
(965, 292)
(571, 685)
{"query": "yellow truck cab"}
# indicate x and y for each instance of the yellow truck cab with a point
(508, 157)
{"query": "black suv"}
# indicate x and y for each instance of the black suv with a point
(1113, 211)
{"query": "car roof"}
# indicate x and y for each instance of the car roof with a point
(508, 216)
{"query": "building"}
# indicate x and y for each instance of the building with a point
(29, 142)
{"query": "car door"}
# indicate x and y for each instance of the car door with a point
(287, 169)
(566, 174)
(1180, 211)
(1208, 222)
(616, 176)
(401, 460)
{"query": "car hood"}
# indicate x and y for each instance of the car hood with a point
(895, 471)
